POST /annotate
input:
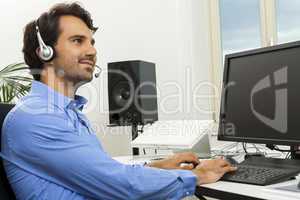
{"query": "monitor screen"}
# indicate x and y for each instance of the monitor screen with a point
(261, 96)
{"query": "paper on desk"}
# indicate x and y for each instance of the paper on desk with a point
(291, 188)
(287, 189)
(133, 160)
(181, 134)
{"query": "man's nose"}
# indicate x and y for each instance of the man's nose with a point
(91, 50)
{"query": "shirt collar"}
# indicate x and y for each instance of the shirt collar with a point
(49, 94)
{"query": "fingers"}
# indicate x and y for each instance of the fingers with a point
(223, 163)
(229, 169)
(188, 157)
(225, 166)
(216, 165)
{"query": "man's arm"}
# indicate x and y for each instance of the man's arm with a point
(207, 171)
(49, 148)
(185, 160)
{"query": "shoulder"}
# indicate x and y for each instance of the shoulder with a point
(31, 111)
(34, 120)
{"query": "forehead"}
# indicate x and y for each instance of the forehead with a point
(70, 25)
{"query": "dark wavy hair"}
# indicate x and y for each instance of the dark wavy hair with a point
(48, 24)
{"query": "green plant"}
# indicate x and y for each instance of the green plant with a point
(15, 82)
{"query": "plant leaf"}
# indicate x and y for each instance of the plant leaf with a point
(12, 82)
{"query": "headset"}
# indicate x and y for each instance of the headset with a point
(46, 52)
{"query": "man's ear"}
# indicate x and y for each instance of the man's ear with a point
(37, 52)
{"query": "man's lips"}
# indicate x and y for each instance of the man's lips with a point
(88, 62)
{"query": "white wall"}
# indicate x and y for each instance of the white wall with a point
(171, 33)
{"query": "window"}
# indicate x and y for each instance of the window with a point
(240, 25)
(288, 20)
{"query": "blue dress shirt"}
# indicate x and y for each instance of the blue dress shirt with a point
(51, 152)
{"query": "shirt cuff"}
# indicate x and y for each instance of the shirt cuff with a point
(189, 180)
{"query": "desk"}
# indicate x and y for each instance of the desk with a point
(230, 190)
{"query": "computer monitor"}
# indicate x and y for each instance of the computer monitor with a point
(261, 96)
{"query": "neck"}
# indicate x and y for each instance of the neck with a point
(58, 83)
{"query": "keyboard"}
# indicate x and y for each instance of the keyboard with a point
(259, 175)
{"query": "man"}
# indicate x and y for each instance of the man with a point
(49, 147)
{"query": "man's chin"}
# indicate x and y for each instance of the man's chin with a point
(83, 81)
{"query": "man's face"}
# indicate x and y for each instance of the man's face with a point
(75, 52)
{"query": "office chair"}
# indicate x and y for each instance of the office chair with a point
(6, 192)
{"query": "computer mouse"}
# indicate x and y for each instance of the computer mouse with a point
(231, 160)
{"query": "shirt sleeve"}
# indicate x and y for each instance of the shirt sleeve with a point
(45, 145)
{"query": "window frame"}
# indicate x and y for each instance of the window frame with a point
(268, 28)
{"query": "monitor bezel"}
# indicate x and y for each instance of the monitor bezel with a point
(222, 112)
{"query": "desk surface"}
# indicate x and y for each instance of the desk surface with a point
(230, 190)
(223, 189)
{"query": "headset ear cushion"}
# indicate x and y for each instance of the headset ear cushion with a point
(45, 53)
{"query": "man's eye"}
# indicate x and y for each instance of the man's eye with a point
(78, 41)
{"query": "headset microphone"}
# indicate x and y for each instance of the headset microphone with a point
(45, 52)
(99, 72)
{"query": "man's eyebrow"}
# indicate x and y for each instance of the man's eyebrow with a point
(77, 36)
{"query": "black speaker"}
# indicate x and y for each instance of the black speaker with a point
(132, 93)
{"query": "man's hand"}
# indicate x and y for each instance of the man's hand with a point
(186, 161)
(210, 171)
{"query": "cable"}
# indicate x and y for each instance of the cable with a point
(236, 149)
(282, 150)
(142, 129)
(245, 147)
(274, 147)
(257, 149)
